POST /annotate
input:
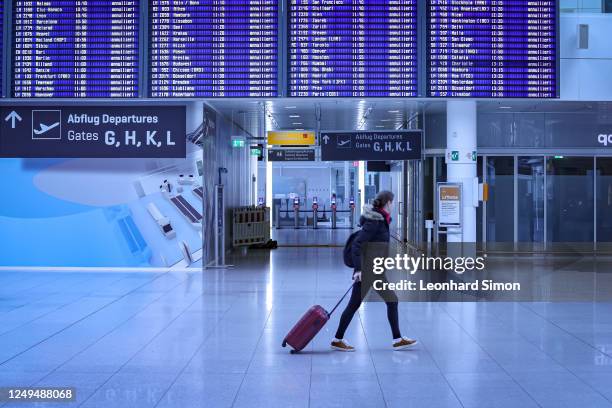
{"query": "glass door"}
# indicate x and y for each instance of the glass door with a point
(530, 190)
(500, 207)
(569, 199)
(604, 199)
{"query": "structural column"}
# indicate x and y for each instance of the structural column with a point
(461, 163)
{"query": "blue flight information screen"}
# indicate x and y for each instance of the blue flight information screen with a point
(213, 48)
(353, 48)
(1, 40)
(492, 48)
(75, 49)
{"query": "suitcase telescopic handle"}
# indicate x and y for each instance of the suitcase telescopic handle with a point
(341, 299)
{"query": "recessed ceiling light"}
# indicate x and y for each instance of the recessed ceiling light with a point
(386, 120)
(505, 107)
(294, 116)
(379, 126)
(299, 129)
(393, 111)
(290, 107)
(297, 123)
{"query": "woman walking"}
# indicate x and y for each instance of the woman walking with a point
(374, 221)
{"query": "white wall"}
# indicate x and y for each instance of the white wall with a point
(586, 74)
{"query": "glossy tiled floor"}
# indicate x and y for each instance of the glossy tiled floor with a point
(311, 237)
(213, 340)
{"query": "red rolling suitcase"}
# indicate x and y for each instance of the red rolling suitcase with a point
(309, 325)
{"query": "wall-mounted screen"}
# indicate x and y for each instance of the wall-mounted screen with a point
(1, 41)
(352, 48)
(213, 48)
(75, 49)
(492, 49)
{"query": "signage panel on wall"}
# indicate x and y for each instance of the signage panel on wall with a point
(384, 145)
(449, 205)
(291, 138)
(291, 155)
(93, 131)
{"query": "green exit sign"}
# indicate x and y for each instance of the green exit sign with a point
(255, 151)
(455, 155)
(238, 142)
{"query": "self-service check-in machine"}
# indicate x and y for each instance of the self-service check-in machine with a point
(334, 208)
(352, 213)
(315, 211)
(296, 212)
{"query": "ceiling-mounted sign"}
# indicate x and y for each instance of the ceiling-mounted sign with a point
(93, 131)
(383, 145)
(238, 141)
(291, 155)
(291, 138)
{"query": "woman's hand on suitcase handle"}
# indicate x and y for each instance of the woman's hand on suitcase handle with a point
(357, 276)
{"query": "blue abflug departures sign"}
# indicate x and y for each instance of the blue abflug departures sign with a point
(93, 132)
(383, 145)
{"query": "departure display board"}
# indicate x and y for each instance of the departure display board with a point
(353, 48)
(1, 40)
(213, 48)
(492, 48)
(75, 49)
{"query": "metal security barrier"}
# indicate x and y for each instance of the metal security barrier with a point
(296, 218)
(251, 225)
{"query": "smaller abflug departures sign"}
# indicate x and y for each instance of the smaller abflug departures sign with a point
(382, 145)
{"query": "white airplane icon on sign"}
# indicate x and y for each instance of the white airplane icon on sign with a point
(46, 124)
(44, 128)
(344, 141)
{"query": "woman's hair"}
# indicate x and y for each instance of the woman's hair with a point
(382, 198)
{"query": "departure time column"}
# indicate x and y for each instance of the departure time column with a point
(160, 46)
(299, 49)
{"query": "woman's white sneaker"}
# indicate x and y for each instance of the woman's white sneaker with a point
(403, 343)
(341, 345)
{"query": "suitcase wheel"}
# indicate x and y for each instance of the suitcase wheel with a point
(284, 343)
(293, 352)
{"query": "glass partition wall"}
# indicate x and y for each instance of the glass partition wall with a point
(537, 198)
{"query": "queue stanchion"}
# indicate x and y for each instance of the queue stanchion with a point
(352, 213)
(333, 211)
(277, 211)
(296, 213)
(315, 210)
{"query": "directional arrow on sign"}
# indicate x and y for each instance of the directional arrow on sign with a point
(13, 116)
(326, 139)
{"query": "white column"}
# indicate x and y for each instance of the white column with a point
(461, 138)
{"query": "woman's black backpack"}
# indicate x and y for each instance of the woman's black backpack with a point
(348, 250)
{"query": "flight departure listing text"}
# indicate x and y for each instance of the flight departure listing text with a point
(353, 48)
(492, 48)
(205, 48)
(75, 49)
